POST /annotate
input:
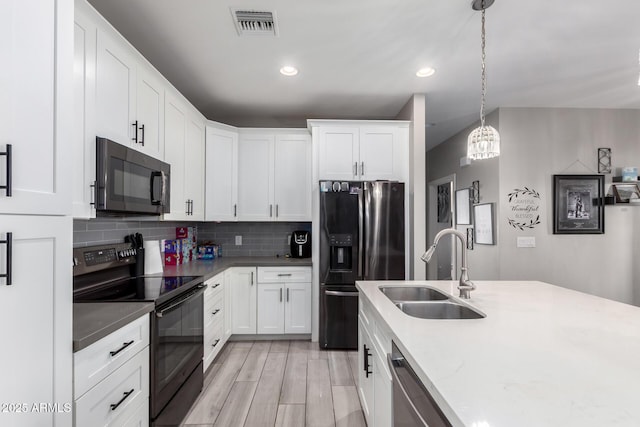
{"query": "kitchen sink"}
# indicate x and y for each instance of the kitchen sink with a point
(439, 310)
(413, 293)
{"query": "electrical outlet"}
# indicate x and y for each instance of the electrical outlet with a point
(526, 242)
(238, 240)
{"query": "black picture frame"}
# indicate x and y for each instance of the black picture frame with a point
(578, 204)
(444, 203)
(625, 191)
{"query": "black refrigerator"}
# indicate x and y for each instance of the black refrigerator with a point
(361, 238)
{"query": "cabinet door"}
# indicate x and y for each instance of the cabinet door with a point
(255, 178)
(150, 111)
(297, 313)
(35, 311)
(380, 152)
(221, 171)
(175, 122)
(242, 286)
(83, 151)
(36, 96)
(339, 153)
(270, 308)
(228, 324)
(194, 167)
(365, 372)
(115, 90)
(382, 390)
(292, 178)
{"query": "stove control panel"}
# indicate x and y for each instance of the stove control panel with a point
(96, 258)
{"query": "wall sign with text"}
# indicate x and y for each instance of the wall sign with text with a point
(524, 208)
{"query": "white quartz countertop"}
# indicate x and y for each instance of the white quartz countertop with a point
(543, 356)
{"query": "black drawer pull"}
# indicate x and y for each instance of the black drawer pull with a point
(7, 186)
(366, 361)
(124, 345)
(215, 343)
(126, 394)
(215, 286)
(9, 242)
(215, 311)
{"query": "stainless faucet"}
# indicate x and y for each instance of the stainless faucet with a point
(465, 285)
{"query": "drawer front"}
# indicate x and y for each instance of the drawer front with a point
(92, 364)
(284, 274)
(138, 418)
(214, 285)
(213, 309)
(213, 342)
(114, 400)
(365, 312)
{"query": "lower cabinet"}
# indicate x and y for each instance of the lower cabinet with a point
(214, 318)
(374, 377)
(111, 379)
(270, 300)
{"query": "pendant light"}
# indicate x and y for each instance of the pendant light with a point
(483, 141)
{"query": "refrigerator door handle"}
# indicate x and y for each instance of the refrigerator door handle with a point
(360, 230)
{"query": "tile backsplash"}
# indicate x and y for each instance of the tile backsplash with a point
(258, 238)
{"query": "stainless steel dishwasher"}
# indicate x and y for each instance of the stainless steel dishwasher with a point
(413, 405)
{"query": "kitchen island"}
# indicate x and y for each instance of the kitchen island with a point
(542, 356)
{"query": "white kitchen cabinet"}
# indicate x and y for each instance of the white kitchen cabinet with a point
(221, 173)
(255, 177)
(184, 151)
(36, 314)
(292, 177)
(365, 372)
(36, 86)
(271, 308)
(242, 287)
(228, 325)
(274, 175)
(361, 150)
(214, 318)
(382, 403)
(83, 150)
(284, 300)
(149, 111)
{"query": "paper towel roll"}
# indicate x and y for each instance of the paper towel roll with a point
(152, 257)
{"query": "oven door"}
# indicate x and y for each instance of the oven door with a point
(128, 181)
(177, 347)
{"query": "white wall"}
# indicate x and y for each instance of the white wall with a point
(536, 144)
(541, 142)
(414, 110)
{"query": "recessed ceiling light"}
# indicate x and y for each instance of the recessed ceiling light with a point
(425, 72)
(288, 70)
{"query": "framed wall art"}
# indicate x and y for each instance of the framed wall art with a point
(444, 203)
(483, 224)
(463, 207)
(578, 204)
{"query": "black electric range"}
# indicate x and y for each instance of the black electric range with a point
(113, 273)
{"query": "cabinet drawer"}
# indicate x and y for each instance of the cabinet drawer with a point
(92, 364)
(138, 418)
(213, 342)
(284, 274)
(213, 310)
(114, 400)
(215, 285)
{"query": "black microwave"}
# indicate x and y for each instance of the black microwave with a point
(130, 182)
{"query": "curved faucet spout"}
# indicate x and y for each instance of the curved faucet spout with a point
(465, 285)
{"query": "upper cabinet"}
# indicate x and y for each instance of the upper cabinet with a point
(221, 177)
(361, 150)
(274, 175)
(185, 135)
(36, 48)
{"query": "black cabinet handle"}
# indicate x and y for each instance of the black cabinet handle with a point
(215, 311)
(124, 345)
(366, 361)
(215, 286)
(235, 211)
(215, 343)
(126, 394)
(142, 136)
(9, 242)
(135, 128)
(7, 187)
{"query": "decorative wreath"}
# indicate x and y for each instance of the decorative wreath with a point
(523, 192)
(523, 225)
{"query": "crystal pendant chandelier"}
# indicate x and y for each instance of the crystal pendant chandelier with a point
(483, 141)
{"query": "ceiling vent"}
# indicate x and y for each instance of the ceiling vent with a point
(254, 22)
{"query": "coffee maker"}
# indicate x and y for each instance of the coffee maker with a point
(301, 244)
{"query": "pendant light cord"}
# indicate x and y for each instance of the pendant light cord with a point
(484, 73)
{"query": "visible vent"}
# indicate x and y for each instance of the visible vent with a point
(255, 22)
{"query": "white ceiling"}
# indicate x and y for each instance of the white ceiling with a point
(358, 58)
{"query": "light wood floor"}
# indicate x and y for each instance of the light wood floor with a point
(279, 383)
